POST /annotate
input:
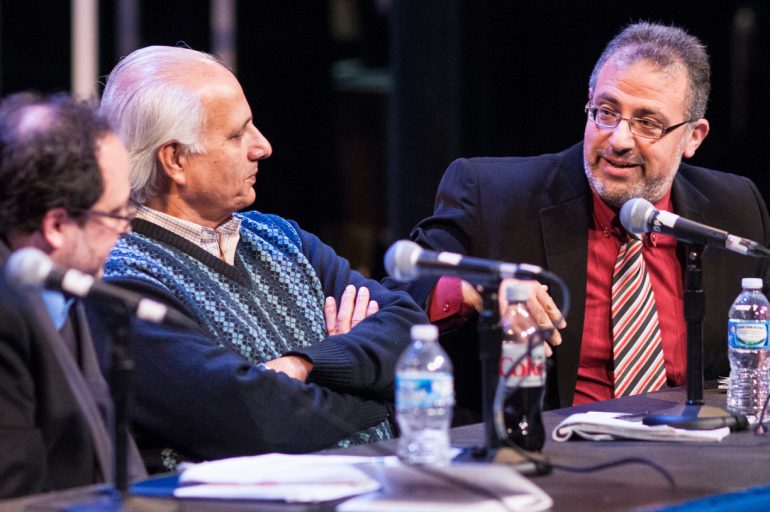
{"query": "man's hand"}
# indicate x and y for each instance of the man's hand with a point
(354, 307)
(295, 367)
(541, 306)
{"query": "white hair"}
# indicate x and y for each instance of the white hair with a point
(148, 104)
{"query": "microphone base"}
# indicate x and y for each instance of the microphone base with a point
(503, 455)
(697, 417)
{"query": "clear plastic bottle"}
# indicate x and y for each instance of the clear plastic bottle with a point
(748, 350)
(519, 397)
(424, 399)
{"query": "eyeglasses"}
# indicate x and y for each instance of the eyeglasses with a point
(126, 217)
(639, 126)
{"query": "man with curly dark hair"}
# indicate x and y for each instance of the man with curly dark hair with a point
(65, 192)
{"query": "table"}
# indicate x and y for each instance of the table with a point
(739, 462)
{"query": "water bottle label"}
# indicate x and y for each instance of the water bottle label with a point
(747, 333)
(424, 389)
(529, 370)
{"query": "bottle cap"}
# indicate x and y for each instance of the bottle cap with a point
(518, 292)
(752, 283)
(424, 332)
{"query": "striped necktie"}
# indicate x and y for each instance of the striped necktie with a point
(637, 347)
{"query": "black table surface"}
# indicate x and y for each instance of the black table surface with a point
(740, 461)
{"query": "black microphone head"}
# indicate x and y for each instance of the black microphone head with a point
(28, 268)
(635, 215)
(400, 260)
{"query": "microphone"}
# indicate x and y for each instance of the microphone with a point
(30, 268)
(406, 261)
(640, 216)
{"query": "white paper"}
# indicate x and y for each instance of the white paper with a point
(446, 490)
(291, 478)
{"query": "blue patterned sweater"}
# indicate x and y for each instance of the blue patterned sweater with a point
(270, 303)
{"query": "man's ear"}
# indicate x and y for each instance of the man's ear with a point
(53, 228)
(172, 159)
(698, 133)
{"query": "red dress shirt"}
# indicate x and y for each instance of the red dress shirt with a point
(605, 236)
(595, 374)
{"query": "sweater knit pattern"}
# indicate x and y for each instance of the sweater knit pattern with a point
(269, 303)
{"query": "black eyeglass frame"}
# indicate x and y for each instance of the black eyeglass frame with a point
(128, 219)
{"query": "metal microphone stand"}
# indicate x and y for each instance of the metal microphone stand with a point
(694, 415)
(490, 339)
(120, 380)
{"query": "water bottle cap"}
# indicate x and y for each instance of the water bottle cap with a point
(752, 283)
(518, 292)
(424, 332)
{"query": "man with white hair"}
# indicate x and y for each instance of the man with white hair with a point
(273, 366)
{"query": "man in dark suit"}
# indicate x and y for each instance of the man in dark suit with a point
(65, 192)
(646, 104)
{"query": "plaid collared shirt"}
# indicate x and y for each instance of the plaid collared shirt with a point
(220, 241)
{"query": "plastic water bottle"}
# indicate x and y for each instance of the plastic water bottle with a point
(519, 398)
(748, 350)
(424, 399)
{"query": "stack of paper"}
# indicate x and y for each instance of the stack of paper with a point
(608, 426)
(460, 487)
(384, 482)
(291, 478)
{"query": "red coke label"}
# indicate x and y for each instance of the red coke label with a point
(529, 370)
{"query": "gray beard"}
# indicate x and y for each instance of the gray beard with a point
(651, 189)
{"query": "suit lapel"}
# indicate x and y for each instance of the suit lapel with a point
(690, 203)
(564, 228)
(77, 384)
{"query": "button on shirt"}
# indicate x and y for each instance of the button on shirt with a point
(221, 241)
(595, 371)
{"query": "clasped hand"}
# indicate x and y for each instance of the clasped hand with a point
(354, 307)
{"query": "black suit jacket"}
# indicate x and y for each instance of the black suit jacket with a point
(538, 210)
(53, 434)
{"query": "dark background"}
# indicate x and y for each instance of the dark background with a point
(366, 103)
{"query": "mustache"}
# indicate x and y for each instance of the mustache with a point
(621, 159)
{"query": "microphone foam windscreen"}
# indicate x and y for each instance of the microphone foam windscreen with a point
(28, 268)
(400, 260)
(634, 215)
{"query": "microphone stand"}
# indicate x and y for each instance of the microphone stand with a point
(694, 415)
(120, 377)
(490, 340)
(490, 346)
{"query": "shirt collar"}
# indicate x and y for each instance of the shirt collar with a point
(607, 220)
(58, 306)
(221, 241)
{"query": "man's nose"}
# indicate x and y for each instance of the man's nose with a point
(621, 137)
(260, 148)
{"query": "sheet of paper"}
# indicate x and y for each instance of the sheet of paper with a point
(477, 487)
(291, 478)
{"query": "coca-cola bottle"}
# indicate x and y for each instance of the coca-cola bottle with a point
(519, 397)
